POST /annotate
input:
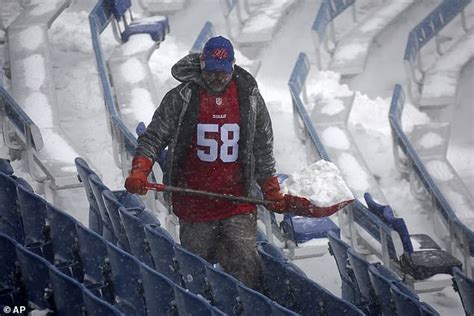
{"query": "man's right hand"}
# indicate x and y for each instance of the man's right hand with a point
(138, 177)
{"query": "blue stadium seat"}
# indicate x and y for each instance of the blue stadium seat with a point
(6, 167)
(427, 310)
(223, 290)
(162, 250)
(159, 292)
(67, 293)
(311, 298)
(10, 283)
(406, 301)
(272, 251)
(360, 266)
(94, 257)
(381, 279)
(134, 228)
(465, 289)
(127, 283)
(96, 306)
(10, 219)
(97, 188)
(301, 229)
(189, 303)
(35, 277)
(275, 280)
(34, 217)
(156, 29)
(255, 303)
(64, 239)
(84, 171)
(350, 291)
(192, 269)
(112, 205)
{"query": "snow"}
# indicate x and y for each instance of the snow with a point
(133, 70)
(37, 106)
(439, 170)
(137, 43)
(34, 65)
(84, 120)
(335, 137)
(430, 140)
(320, 182)
(43, 7)
(353, 172)
(32, 37)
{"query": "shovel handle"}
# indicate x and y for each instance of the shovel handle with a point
(168, 188)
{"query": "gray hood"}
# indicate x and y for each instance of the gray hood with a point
(188, 69)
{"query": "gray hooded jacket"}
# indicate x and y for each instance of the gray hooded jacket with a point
(174, 124)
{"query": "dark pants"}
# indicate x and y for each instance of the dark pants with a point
(231, 242)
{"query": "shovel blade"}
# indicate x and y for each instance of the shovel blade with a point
(303, 207)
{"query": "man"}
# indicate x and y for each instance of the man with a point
(220, 139)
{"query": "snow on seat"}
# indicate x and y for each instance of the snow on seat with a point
(430, 140)
(163, 6)
(330, 122)
(254, 25)
(440, 80)
(33, 88)
(352, 50)
(263, 22)
(125, 26)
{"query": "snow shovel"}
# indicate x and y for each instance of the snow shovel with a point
(296, 204)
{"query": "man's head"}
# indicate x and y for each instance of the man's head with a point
(217, 63)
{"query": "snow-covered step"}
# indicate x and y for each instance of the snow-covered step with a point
(10, 10)
(352, 50)
(162, 6)
(440, 81)
(34, 90)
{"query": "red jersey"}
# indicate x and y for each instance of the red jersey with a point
(212, 161)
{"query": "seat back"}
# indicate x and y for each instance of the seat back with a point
(223, 290)
(97, 187)
(95, 306)
(406, 301)
(94, 257)
(10, 219)
(134, 229)
(35, 277)
(84, 171)
(64, 240)
(6, 167)
(338, 249)
(127, 282)
(112, 205)
(275, 280)
(159, 292)
(465, 288)
(381, 279)
(360, 267)
(189, 303)
(192, 269)
(67, 293)
(162, 251)
(120, 7)
(253, 302)
(311, 298)
(10, 283)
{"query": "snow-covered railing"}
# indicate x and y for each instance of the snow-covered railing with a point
(122, 138)
(325, 43)
(427, 29)
(460, 236)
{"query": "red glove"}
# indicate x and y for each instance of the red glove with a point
(271, 192)
(138, 177)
